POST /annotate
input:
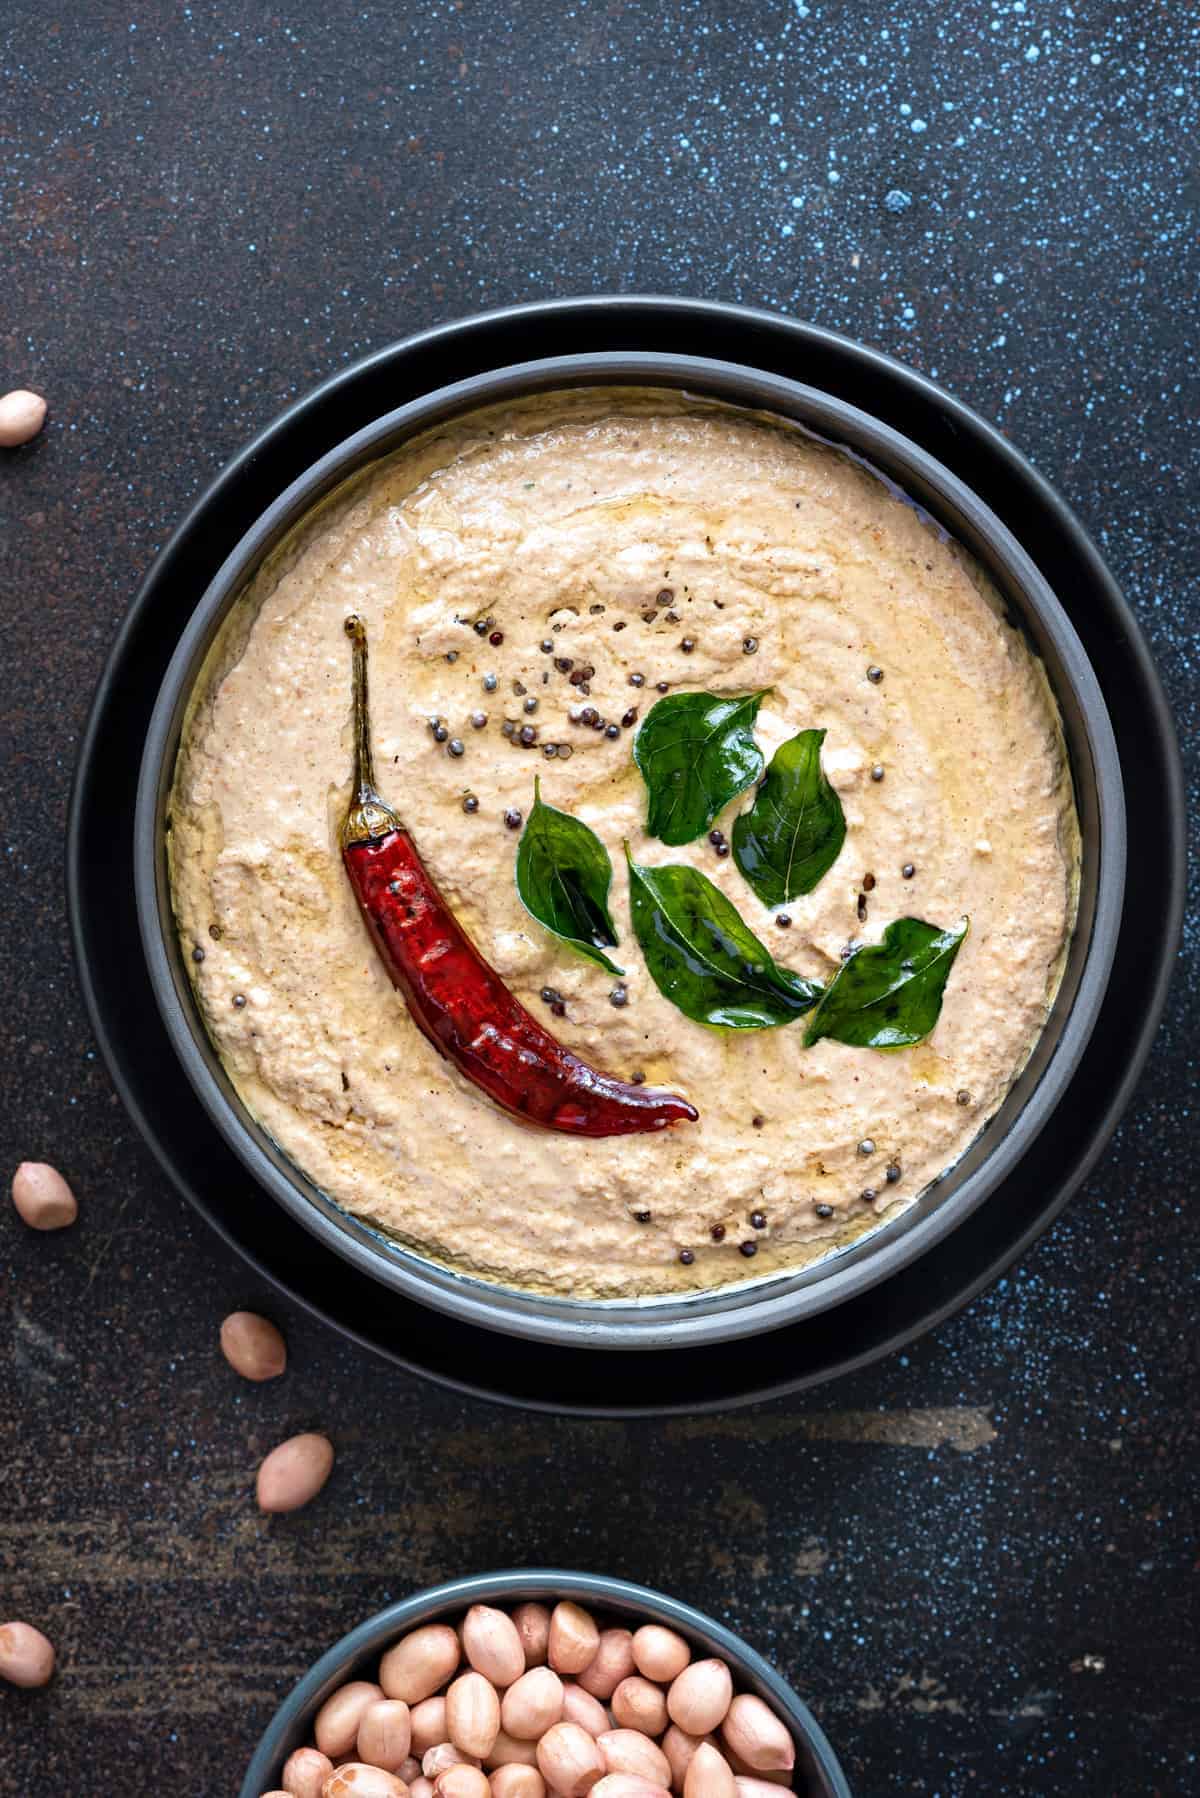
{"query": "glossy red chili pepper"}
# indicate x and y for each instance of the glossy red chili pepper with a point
(453, 995)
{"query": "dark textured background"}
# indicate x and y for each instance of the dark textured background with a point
(977, 1560)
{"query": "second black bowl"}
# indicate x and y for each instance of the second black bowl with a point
(356, 1656)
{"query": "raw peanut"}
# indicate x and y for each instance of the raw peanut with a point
(22, 415)
(338, 1718)
(569, 1760)
(637, 1704)
(305, 1772)
(42, 1197)
(760, 1788)
(756, 1736)
(420, 1787)
(510, 1751)
(532, 1704)
(513, 1781)
(428, 1722)
(709, 1775)
(462, 1782)
(580, 1707)
(437, 1760)
(409, 1769)
(415, 1666)
(294, 1473)
(354, 1779)
(629, 1751)
(26, 1655)
(611, 1663)
(385, 1735)
(492, 1644)
(473, 1714)
(574, 1638)
(252, 1346)
(679, 1748)
(699, 1696)
(659, 1653)
(628, 1785)
(532, 1623)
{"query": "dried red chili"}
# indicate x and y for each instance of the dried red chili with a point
(454, 997)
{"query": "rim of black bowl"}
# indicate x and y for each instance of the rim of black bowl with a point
(290, 1727)
(747, 1307)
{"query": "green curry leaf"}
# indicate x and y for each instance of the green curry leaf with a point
(793, 832)
(704, 958)
(563, 877)
(889, 995)
(696, 752)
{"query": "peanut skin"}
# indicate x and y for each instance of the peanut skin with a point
(338, 1719)
(755, 1735)
(473, 1714)
(569, 1760)
(532, 1704)
(492, 1644)
(659, 1653)
(42, 1198)
(514, 1781)
(709, 1775)
(462, 1782)
(385, 1734)
(419, 1663)
(26, 1655)
(509, 1751)
(253, 1346)
(580, 1707)
(628, 1751)
(628, 1785)
(305, 1773)
(679, 1748)
(574, 1638)
(611, 1663)
(639, 1704)
(354, 1779)
(22, 415)
(699, 1697)
(293, 1473)
(428, 1720)
(439, 1760)
(533, 1626)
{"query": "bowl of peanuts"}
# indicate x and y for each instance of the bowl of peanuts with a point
(542, 1685)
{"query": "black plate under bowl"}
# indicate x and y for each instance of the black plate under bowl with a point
(160, 1099)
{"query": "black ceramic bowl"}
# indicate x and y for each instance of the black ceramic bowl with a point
(750, 1306)
(817, 1772)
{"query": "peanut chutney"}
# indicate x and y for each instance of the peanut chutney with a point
(588, 553)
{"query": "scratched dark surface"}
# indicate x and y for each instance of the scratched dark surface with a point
(978, 1560)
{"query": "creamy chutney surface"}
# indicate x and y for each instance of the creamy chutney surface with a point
(616, 531)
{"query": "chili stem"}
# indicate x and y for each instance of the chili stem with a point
(368, 817)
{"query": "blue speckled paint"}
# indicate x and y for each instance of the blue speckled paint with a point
(978, 1560)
